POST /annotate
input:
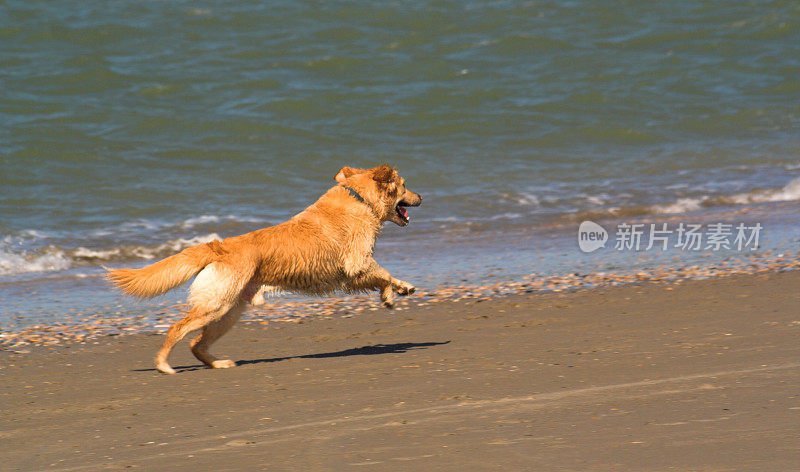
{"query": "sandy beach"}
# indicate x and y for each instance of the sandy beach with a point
(606, 260)
(698, 375)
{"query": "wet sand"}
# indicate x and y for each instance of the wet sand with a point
(696, 375)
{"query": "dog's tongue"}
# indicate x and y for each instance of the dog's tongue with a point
(403, 212)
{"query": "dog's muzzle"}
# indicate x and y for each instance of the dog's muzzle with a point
(412, 200)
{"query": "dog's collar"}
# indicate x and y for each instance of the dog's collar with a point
(355, 194)
(358, 197)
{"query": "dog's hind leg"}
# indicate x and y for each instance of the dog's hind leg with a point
(215, 292)
(194, 320)
(212, 332)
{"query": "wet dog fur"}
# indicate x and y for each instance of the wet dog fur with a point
(325, 248)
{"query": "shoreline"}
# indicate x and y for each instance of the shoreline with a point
(54, 307)
(89, 328)
(697, 374)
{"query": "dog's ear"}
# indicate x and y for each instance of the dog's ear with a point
(347, 172)
(383, 174)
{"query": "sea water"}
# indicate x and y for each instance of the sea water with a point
(131, 130)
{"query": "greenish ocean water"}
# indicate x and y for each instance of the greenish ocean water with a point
(129, 130)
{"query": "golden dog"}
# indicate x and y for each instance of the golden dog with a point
(326, 247)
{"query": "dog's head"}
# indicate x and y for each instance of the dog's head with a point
(385, 190)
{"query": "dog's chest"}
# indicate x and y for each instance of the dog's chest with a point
(357, 253)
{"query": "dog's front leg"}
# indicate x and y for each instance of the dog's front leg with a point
(376, 277)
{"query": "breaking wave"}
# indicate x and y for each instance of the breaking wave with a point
(53, 258)
(789, 192)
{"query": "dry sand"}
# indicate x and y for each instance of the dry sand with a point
(699, 375)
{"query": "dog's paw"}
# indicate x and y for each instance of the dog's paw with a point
(258, 299)
(404, 288)
(389, 304)
(164, 368)
(223, 364)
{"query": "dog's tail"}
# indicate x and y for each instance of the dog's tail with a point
(165, 274)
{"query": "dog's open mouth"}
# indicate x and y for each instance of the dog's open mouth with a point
(401, 212)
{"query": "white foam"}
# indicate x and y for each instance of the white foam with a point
(181, 243)
(16, 256)
(35, 234)
(208, 219)
(683, 205)
(173, 245)
(523, 198)
(199, 220)
(86, 253)
(789, 192)
(505, 216)
(528, 199)
(52, 259)
(595, 200)
(445, 219)
(678, 186)
(18, 263)
(136, 225)
(23, 237)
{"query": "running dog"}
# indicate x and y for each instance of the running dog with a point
(325, 248)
